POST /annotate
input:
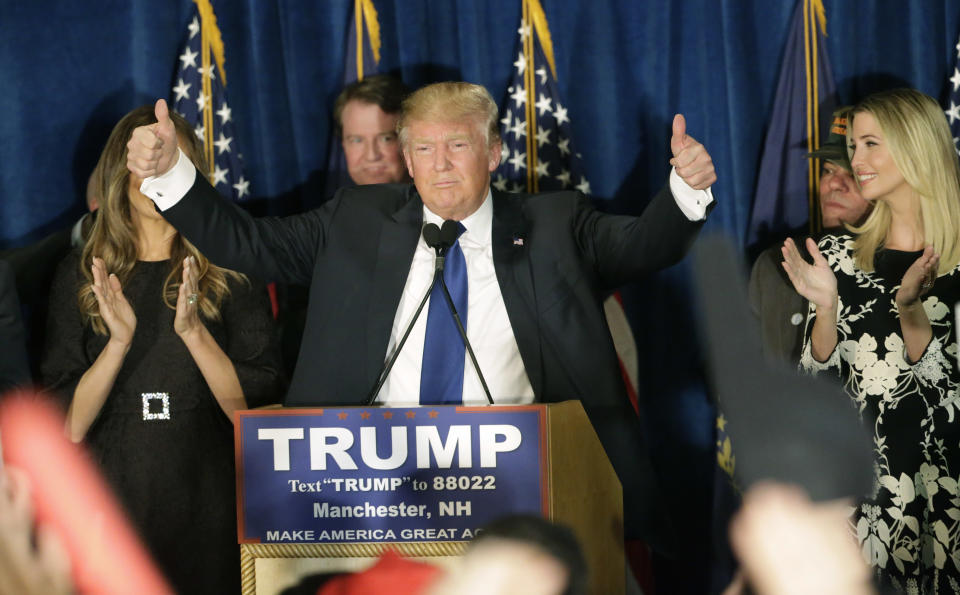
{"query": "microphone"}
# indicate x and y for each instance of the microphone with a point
(448, 235)
(431, 235)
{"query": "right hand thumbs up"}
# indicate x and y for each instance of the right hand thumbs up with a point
(152, 149)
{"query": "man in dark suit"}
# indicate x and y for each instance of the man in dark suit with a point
(776, 304)
(366, 114)
(538, 267)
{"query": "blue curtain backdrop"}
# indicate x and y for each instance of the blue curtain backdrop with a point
(71, 69)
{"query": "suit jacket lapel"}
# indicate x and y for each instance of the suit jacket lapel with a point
(399, 235)
(511, 260)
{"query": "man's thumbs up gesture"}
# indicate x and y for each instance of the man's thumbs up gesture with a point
(152, 149)
(690, 158)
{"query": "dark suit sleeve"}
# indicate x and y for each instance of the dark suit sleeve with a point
(64, 358)
(14, 369)
(624, 248)
(253, 343)
(271, 248)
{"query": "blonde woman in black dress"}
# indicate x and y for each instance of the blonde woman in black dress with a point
(880, 319)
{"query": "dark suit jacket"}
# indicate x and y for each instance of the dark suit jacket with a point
(14, 369)
(355, 253)
(778, 307)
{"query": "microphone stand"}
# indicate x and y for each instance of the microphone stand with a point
(372, 395)
(463, 335)
(440, 242)
(431, 235)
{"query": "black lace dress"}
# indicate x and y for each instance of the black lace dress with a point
(909, 527)
(161, 439)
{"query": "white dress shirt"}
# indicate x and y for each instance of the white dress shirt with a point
(488, 326)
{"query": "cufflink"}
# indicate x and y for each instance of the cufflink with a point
(155, 406)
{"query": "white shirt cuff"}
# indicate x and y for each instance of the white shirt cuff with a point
(166, 190)
(692, 202)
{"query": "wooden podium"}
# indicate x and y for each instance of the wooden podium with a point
(294, 461)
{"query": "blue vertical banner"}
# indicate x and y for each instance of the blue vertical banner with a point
(786, 193)
(360, 474)
(200, 96)
(952, 104)
(362, 59)
(539, 155)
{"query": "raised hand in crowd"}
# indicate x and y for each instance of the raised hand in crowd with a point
(33, 561)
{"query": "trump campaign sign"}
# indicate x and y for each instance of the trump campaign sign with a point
(372, 474)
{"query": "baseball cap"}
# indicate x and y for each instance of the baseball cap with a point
(835, 147)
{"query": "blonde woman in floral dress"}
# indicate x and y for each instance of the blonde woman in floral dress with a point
(880, 319)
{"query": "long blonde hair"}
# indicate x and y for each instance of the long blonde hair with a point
(921, 146)
(114, 235)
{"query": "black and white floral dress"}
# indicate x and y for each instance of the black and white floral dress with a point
(909, 527)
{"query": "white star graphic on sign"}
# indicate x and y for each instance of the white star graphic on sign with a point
(542, 168)
(182, 90)
(207, 71)
(518, 161)
(202, 102)
(500, 183)
(958, 49)
(223, 144)
(519, 129)
(504, 153)
(560, 113)
(507, 119)
(543, 75)
(200, 132)
(219, 175)
(953, 113)
(224, 113)
(524, 30)
(564, 146)
(543, 104)
(193, 27)
(543, 136)
(521, 64)
(584, 186)
(188, 58)
(242, 187)
(564, 178)
(518, 187)
(955, 79)
(520, 96)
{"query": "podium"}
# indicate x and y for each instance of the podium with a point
(328, 490)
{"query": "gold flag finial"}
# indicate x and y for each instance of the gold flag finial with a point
(543, 32)
(208, 23)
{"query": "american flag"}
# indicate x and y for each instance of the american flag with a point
(953, 112)
(538, 153)
(200, 96)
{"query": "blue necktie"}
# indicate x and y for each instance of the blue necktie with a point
(441, 375)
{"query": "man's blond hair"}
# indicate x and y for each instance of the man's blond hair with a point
(450, 102)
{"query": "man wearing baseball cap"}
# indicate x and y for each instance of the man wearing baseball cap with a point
(776, 304)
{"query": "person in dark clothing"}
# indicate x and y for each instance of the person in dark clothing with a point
(153, 349)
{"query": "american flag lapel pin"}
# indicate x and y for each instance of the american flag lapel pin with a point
(517, 241)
